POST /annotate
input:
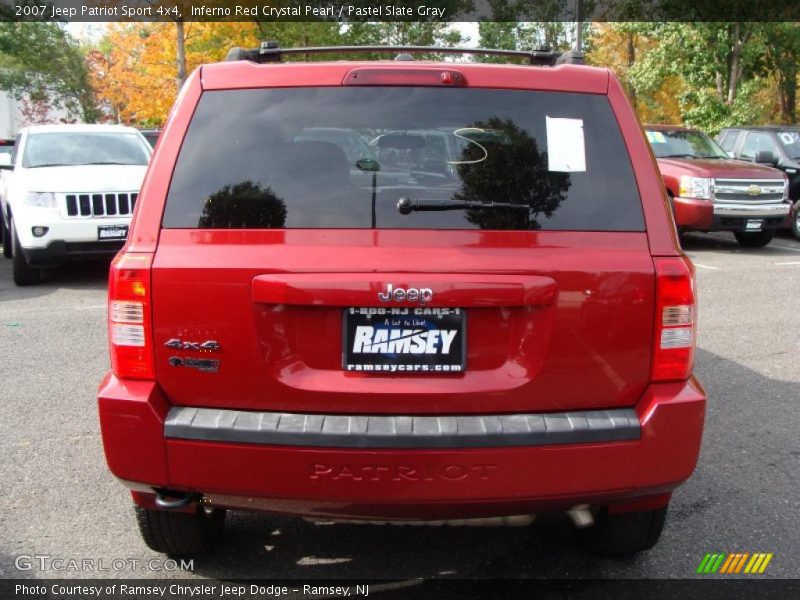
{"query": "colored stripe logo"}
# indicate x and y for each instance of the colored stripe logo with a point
(737, 562)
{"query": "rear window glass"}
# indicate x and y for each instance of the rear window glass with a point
(348, 157)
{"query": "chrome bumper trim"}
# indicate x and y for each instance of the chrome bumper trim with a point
(754, 210)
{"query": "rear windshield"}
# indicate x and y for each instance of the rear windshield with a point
(84, 148)
(352, 157)
(684, 144)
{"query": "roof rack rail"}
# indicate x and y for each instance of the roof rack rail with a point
(272, 52)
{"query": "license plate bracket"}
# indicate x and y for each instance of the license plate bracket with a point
(418, 340)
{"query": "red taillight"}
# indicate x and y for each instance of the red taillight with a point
(130, 331)
(676, 320)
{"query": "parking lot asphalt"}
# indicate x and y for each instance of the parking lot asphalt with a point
(57, 497)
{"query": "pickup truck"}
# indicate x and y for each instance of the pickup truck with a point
(710, 191)
(68, 193)
(775, 145)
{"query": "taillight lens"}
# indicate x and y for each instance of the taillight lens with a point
(130, 331)
(676, 320)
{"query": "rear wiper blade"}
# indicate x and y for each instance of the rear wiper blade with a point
(407, 205)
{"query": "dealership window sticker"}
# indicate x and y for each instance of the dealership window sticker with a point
(566, 149)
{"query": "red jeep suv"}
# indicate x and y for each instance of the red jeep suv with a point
(482, 314)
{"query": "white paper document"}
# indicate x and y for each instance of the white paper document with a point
(566, 150)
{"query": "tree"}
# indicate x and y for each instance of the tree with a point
(134, 68)
(782, 55)
(717, 63)
(135, 71)
(43, 62)
(400, 33)
(520, 35)
(524, 25)
(304, 33)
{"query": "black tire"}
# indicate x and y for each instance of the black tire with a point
(754, 239)
(180, 533)
(796, 222)
(6, 239)
(23, 273)
(626, 533)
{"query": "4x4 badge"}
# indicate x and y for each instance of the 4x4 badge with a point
(207, 346)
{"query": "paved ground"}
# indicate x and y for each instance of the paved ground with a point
(57, 498)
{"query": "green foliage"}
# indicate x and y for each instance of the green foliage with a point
(703, 110)
(293, 34)
(782, 57)
(524, 36)
(722, 68)
(41, 61)
(525, 25)
(399, 33)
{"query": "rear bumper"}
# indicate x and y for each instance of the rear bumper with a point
(408, 482)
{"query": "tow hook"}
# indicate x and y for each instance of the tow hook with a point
(177, 499)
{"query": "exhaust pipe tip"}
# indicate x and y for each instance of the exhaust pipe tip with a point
(169, 500)
(581, 516)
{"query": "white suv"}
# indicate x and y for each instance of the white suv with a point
(68, 192)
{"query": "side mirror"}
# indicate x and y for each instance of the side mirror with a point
(5, 162)
(765, 157)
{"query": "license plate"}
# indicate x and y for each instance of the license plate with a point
(404, 340)
(754, 225)
(112, 232)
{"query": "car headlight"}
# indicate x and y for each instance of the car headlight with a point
(40, 199)
(695, 187)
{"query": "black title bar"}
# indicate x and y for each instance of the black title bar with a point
(398, 10)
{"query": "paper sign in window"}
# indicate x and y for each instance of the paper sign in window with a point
(566, 150)
(655, 137)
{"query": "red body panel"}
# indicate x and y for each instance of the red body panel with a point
(693, 213)
(566, 78)
(521, 351)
